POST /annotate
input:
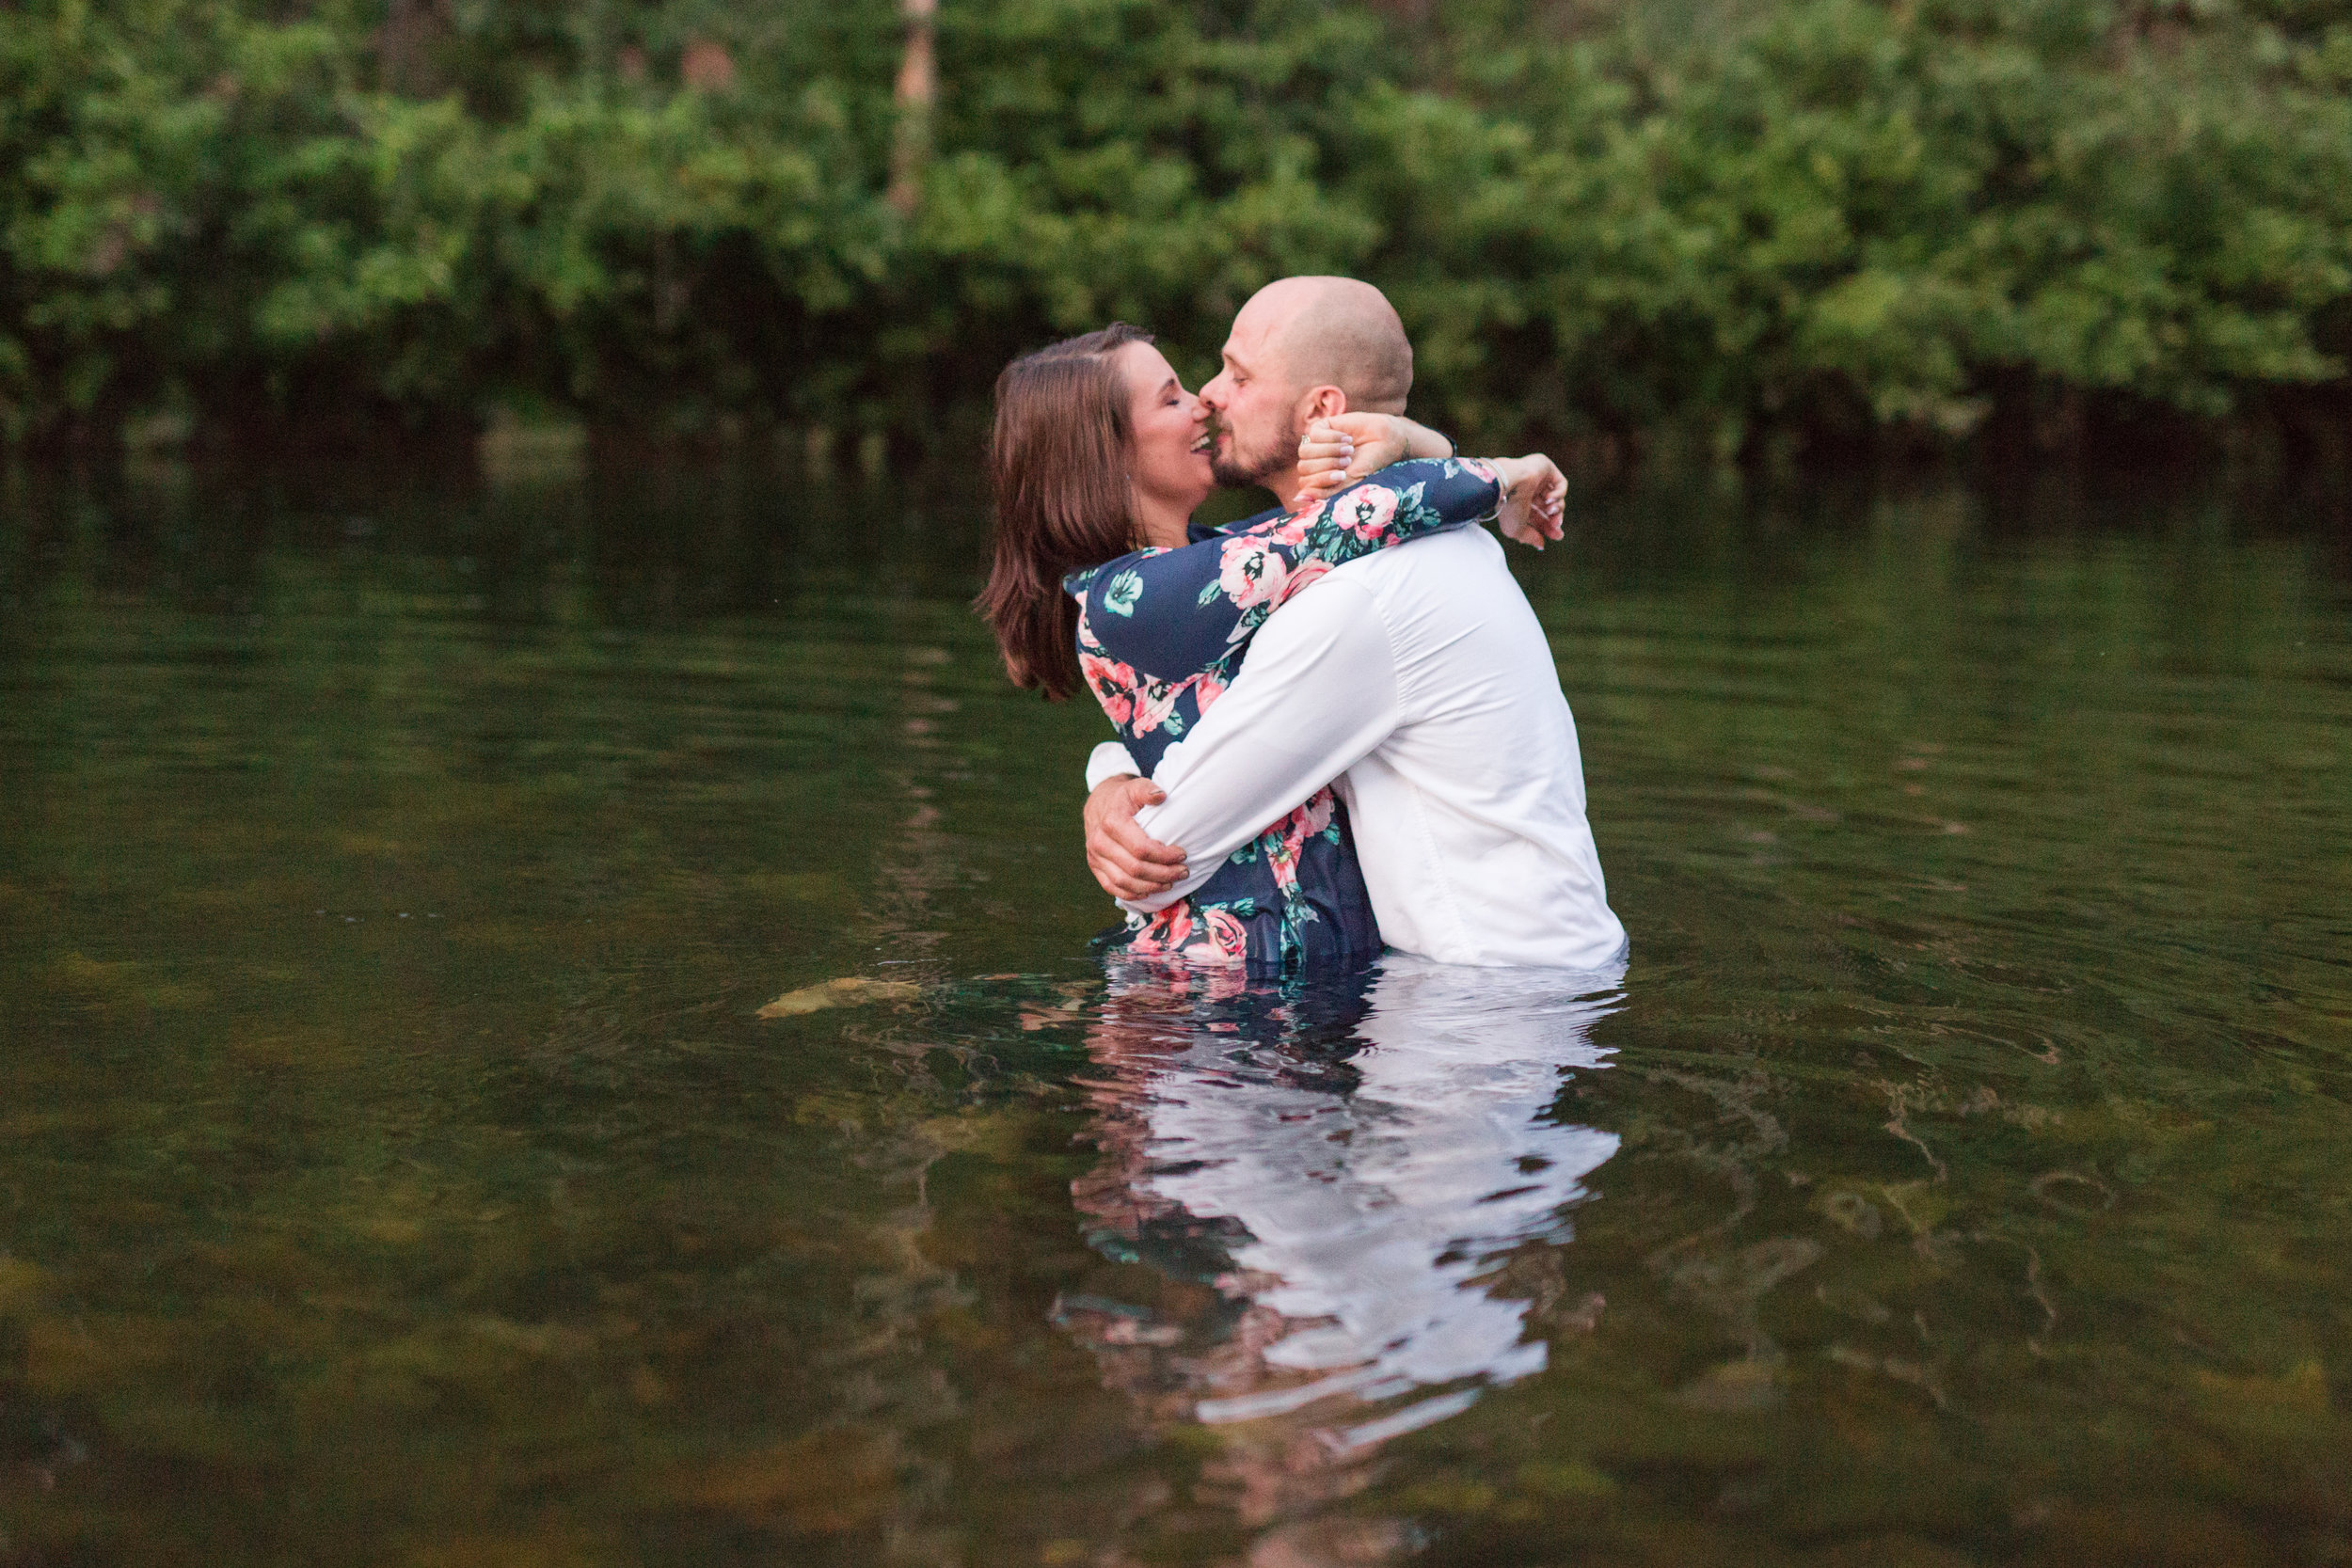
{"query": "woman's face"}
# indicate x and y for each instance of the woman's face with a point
(1171, 455)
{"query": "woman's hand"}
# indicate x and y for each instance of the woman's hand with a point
(1341, 448)
(1535, 496)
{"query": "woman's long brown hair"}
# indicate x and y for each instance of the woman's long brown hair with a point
(1058, 464)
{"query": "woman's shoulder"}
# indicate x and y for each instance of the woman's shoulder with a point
(1079, 584)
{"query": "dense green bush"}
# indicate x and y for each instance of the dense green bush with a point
(1828, 220)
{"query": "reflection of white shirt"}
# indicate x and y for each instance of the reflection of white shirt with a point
(1376, 1212)
(1416, 681)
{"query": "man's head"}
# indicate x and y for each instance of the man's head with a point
(1302, 349)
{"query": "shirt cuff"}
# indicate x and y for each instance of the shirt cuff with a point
(1109, 761)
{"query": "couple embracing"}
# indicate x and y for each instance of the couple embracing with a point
(1340, 725)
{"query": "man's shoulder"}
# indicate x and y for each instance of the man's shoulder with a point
(1461, 558)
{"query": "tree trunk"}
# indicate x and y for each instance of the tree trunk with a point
(407, 45)
(917, 90)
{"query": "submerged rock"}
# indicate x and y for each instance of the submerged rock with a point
(848, 991)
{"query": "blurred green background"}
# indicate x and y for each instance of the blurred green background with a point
(1719, 227)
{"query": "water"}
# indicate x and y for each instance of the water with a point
(398, 1170)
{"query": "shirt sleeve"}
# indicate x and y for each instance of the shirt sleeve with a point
(1318, 692)
(1110, 760)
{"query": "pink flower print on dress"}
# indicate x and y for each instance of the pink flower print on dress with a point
(1216, 937)
(1366, 511)
(1301, 574)
(1316, 814)
(1111, 682)
(1154, 701)
(1287, 839)
(1226, 936)
(1291, 530)
(1251, 572)
(1166, 932)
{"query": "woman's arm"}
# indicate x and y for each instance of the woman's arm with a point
(1399, 503)
(1176, 613)
(1343, 447)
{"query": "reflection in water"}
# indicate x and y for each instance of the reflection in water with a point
(1981, 1191)
(1349, 1194)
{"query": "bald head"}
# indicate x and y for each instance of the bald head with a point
(1334, 332)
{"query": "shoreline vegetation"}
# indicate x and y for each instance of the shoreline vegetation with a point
(1748, 232)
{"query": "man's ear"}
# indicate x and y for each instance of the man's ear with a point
(1321, 403)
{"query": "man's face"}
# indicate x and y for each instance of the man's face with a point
(1255, 405)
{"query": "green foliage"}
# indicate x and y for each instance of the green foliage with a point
(1831, 219)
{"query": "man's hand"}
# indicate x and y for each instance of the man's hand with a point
(1535, 496)
(1128, 862)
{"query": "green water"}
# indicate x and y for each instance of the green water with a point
(397, 1169)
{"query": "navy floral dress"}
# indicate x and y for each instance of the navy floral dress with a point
(1162, 633)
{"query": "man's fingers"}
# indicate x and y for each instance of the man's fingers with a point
(1124, 877)
(1122, 887)
(1119, 884)
(1137, 793)
(1125, 835)
(1126, 861)
(1110, 858)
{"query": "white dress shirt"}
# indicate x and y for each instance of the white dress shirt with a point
(1417, 680)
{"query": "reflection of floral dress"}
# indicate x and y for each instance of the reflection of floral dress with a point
(1162, 632)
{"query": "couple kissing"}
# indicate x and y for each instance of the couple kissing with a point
(1340, 726)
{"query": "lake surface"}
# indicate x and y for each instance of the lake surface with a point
(398, 1168)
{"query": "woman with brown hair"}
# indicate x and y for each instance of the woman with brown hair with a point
(1098, 459)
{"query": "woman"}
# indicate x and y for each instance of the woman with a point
(1097, 460)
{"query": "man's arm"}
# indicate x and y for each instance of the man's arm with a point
(1110, 760)
(1316, 693)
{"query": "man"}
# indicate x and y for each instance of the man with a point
(1416, 680)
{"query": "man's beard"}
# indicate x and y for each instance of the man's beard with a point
(1241, 468)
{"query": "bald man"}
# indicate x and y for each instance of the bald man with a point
(1302, 349)
(1415, 680)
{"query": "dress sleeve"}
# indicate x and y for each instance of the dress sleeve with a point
(1171, 614)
